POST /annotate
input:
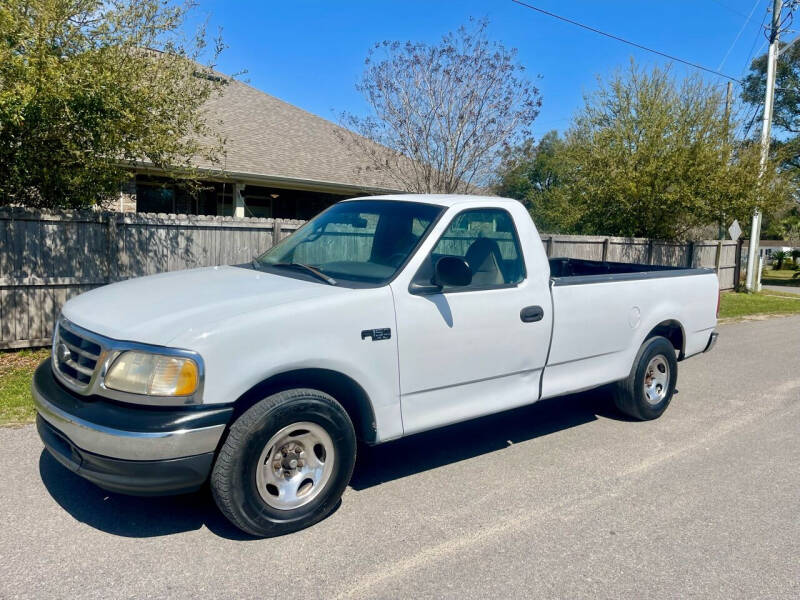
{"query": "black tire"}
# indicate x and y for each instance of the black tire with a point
(234, 480)
(629, 394)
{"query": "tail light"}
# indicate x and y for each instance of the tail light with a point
(719, 299)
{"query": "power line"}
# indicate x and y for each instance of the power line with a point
(734, 11)
(755, 41)
(624, 41)
(752, 120)
(738, 35)
(753, 55)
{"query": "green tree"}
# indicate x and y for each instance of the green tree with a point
(652, 156)
(777, 259)
(533, 173)
(786, 111)
(778, 226)
(88, 87)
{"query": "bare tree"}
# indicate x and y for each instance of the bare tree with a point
(440, 114)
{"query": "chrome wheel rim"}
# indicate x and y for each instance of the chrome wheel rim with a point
(295, 465)
(656, 380)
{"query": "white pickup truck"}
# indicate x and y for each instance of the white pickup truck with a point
(379, 318)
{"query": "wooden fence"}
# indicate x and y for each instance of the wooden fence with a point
(720, 255)
(48, 257)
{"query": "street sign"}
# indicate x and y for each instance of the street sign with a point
(734, 230)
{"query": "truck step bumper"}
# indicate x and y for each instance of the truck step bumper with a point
(128, 449)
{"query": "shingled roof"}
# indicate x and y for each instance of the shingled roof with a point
(267, 138)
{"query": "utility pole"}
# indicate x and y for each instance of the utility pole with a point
(728, 101)
(766, 135)
(728, 98)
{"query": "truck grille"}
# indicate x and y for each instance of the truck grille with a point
(75, 357)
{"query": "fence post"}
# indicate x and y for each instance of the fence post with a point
(549, 247)
(276, 231)
(606, 243)
(737, 264)
(718, 260)
(650, 245)
(691, 255)
(111, 244)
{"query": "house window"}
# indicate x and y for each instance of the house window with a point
(162, 195)
(225, 202)
(155, 199)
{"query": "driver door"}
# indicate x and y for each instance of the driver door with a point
(466, 351)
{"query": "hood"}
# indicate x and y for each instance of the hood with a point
(157, 308)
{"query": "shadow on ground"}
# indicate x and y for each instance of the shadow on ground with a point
(132, 516)
(137, 517)
(463, 441)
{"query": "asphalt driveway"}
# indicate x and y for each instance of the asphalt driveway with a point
(788, 289)
(564, 498)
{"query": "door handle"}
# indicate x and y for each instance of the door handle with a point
(530, 314)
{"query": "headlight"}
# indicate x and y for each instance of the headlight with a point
(152, 374)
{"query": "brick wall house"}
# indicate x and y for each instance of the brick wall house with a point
(280, 161)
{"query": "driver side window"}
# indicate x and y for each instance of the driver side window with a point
(487, 239)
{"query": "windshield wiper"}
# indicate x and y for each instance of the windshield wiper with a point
(315, 272)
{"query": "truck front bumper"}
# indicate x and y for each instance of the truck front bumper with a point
(140, 450)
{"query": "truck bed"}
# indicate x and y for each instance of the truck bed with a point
(603, 310)
(573, 271)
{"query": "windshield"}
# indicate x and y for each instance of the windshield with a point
(363, 241)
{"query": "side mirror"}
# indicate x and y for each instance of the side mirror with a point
(449, 271)
(452, 271)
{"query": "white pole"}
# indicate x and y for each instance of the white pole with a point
(766, 133)
(238, 200)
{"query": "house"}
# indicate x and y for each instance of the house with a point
(280, 161)
(766, 248)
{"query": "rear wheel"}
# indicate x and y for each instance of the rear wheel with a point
(285, 463)
(647, 391)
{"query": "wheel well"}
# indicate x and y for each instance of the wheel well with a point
(673, 331)
(344, 389)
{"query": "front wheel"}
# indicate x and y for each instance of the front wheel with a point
(285, 463)
(647, 391)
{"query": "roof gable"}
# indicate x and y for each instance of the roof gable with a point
(267, 137)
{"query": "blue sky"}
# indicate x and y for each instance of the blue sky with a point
(310, 52)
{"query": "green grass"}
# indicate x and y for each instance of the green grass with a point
(782, 277)
(16, 370)
(736, 305)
